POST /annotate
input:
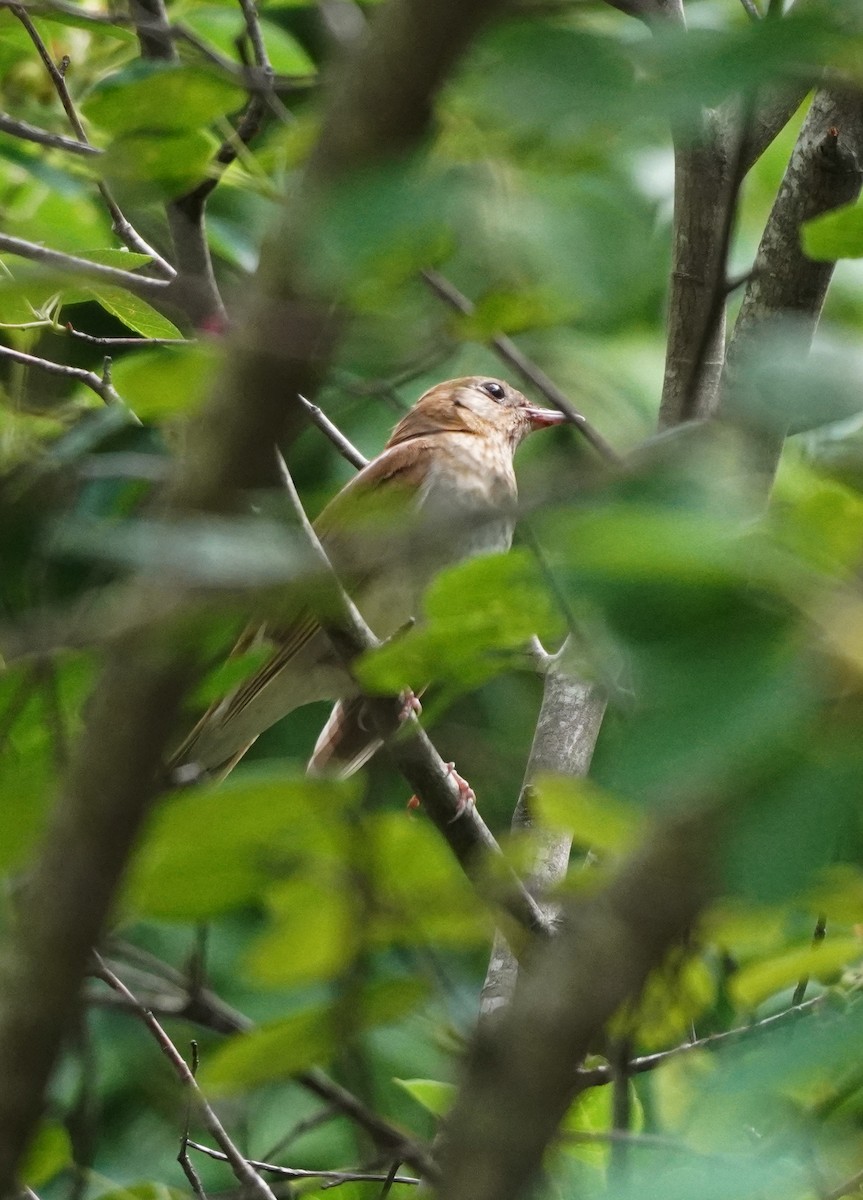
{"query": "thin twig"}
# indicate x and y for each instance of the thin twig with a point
(32, 133)
(245, 1175)
(124, 230)
(298, 1173)
(594, 1076)
(345, 447)
(72, 264)
(138, 342)
(513, 357)
(99, 384)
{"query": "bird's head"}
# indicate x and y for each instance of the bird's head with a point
(476, 404)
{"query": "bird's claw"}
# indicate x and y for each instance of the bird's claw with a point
(411, 706)
(466, 794)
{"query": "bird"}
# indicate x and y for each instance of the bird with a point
(442, 490)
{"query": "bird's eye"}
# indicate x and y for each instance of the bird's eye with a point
(493, 389)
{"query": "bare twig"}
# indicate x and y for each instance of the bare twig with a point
(243, 1172)
(32, 133)
(595, 1076)
(82, 268)
(297, 1173)
(345, 447)
(99, 384)
(138, 342)
(121, 226)
(509, 352)
(751, 9)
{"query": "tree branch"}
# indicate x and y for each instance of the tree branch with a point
(297, 1173)
(124, 230)
(345, 447)
(277, 350)
(99, 384)
(245, 1174)
(56, 141)
(520, 1078)
(81, 268)
(824, 172)
(509, 352)
(194, 289)
(563, 743)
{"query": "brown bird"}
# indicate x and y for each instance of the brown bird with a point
(442, 490)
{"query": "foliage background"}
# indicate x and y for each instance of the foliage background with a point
(726, 634)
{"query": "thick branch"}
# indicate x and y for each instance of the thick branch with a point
(823, 172)
(566, 733)
(521, 1072)
(116, 767)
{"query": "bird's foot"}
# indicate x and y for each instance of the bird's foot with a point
(411, 706)
(466, 794)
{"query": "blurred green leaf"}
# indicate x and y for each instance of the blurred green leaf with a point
(159, 164)
(282, 1048)
(835, 234)
(824, 961)
(257, 826)
(596, 819)
(434, 1096)
(48, 1153)
(172, 380)
(150, 96)
(478, 616)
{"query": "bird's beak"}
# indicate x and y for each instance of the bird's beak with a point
(541, 418)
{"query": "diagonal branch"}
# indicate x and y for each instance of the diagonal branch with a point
(513, 357)
(56, 141)
(121, 226)
(100, 384)
(82, 268)
(376, 109)
(466, 833)
(244, 1172)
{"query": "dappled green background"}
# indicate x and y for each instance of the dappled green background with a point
(729, 638)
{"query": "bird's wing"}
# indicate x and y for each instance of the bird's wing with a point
(355, 529)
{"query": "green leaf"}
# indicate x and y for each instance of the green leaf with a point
(435, 1097)
(316, 933)
(256, 825)
(479, 615)
(159, 164)
(836, 234)
(595, 818)
(281, 1048)
(222, 26)
(155, 96)
(171, 381)
(48, 1153)
(134, 312)
(824, 962)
